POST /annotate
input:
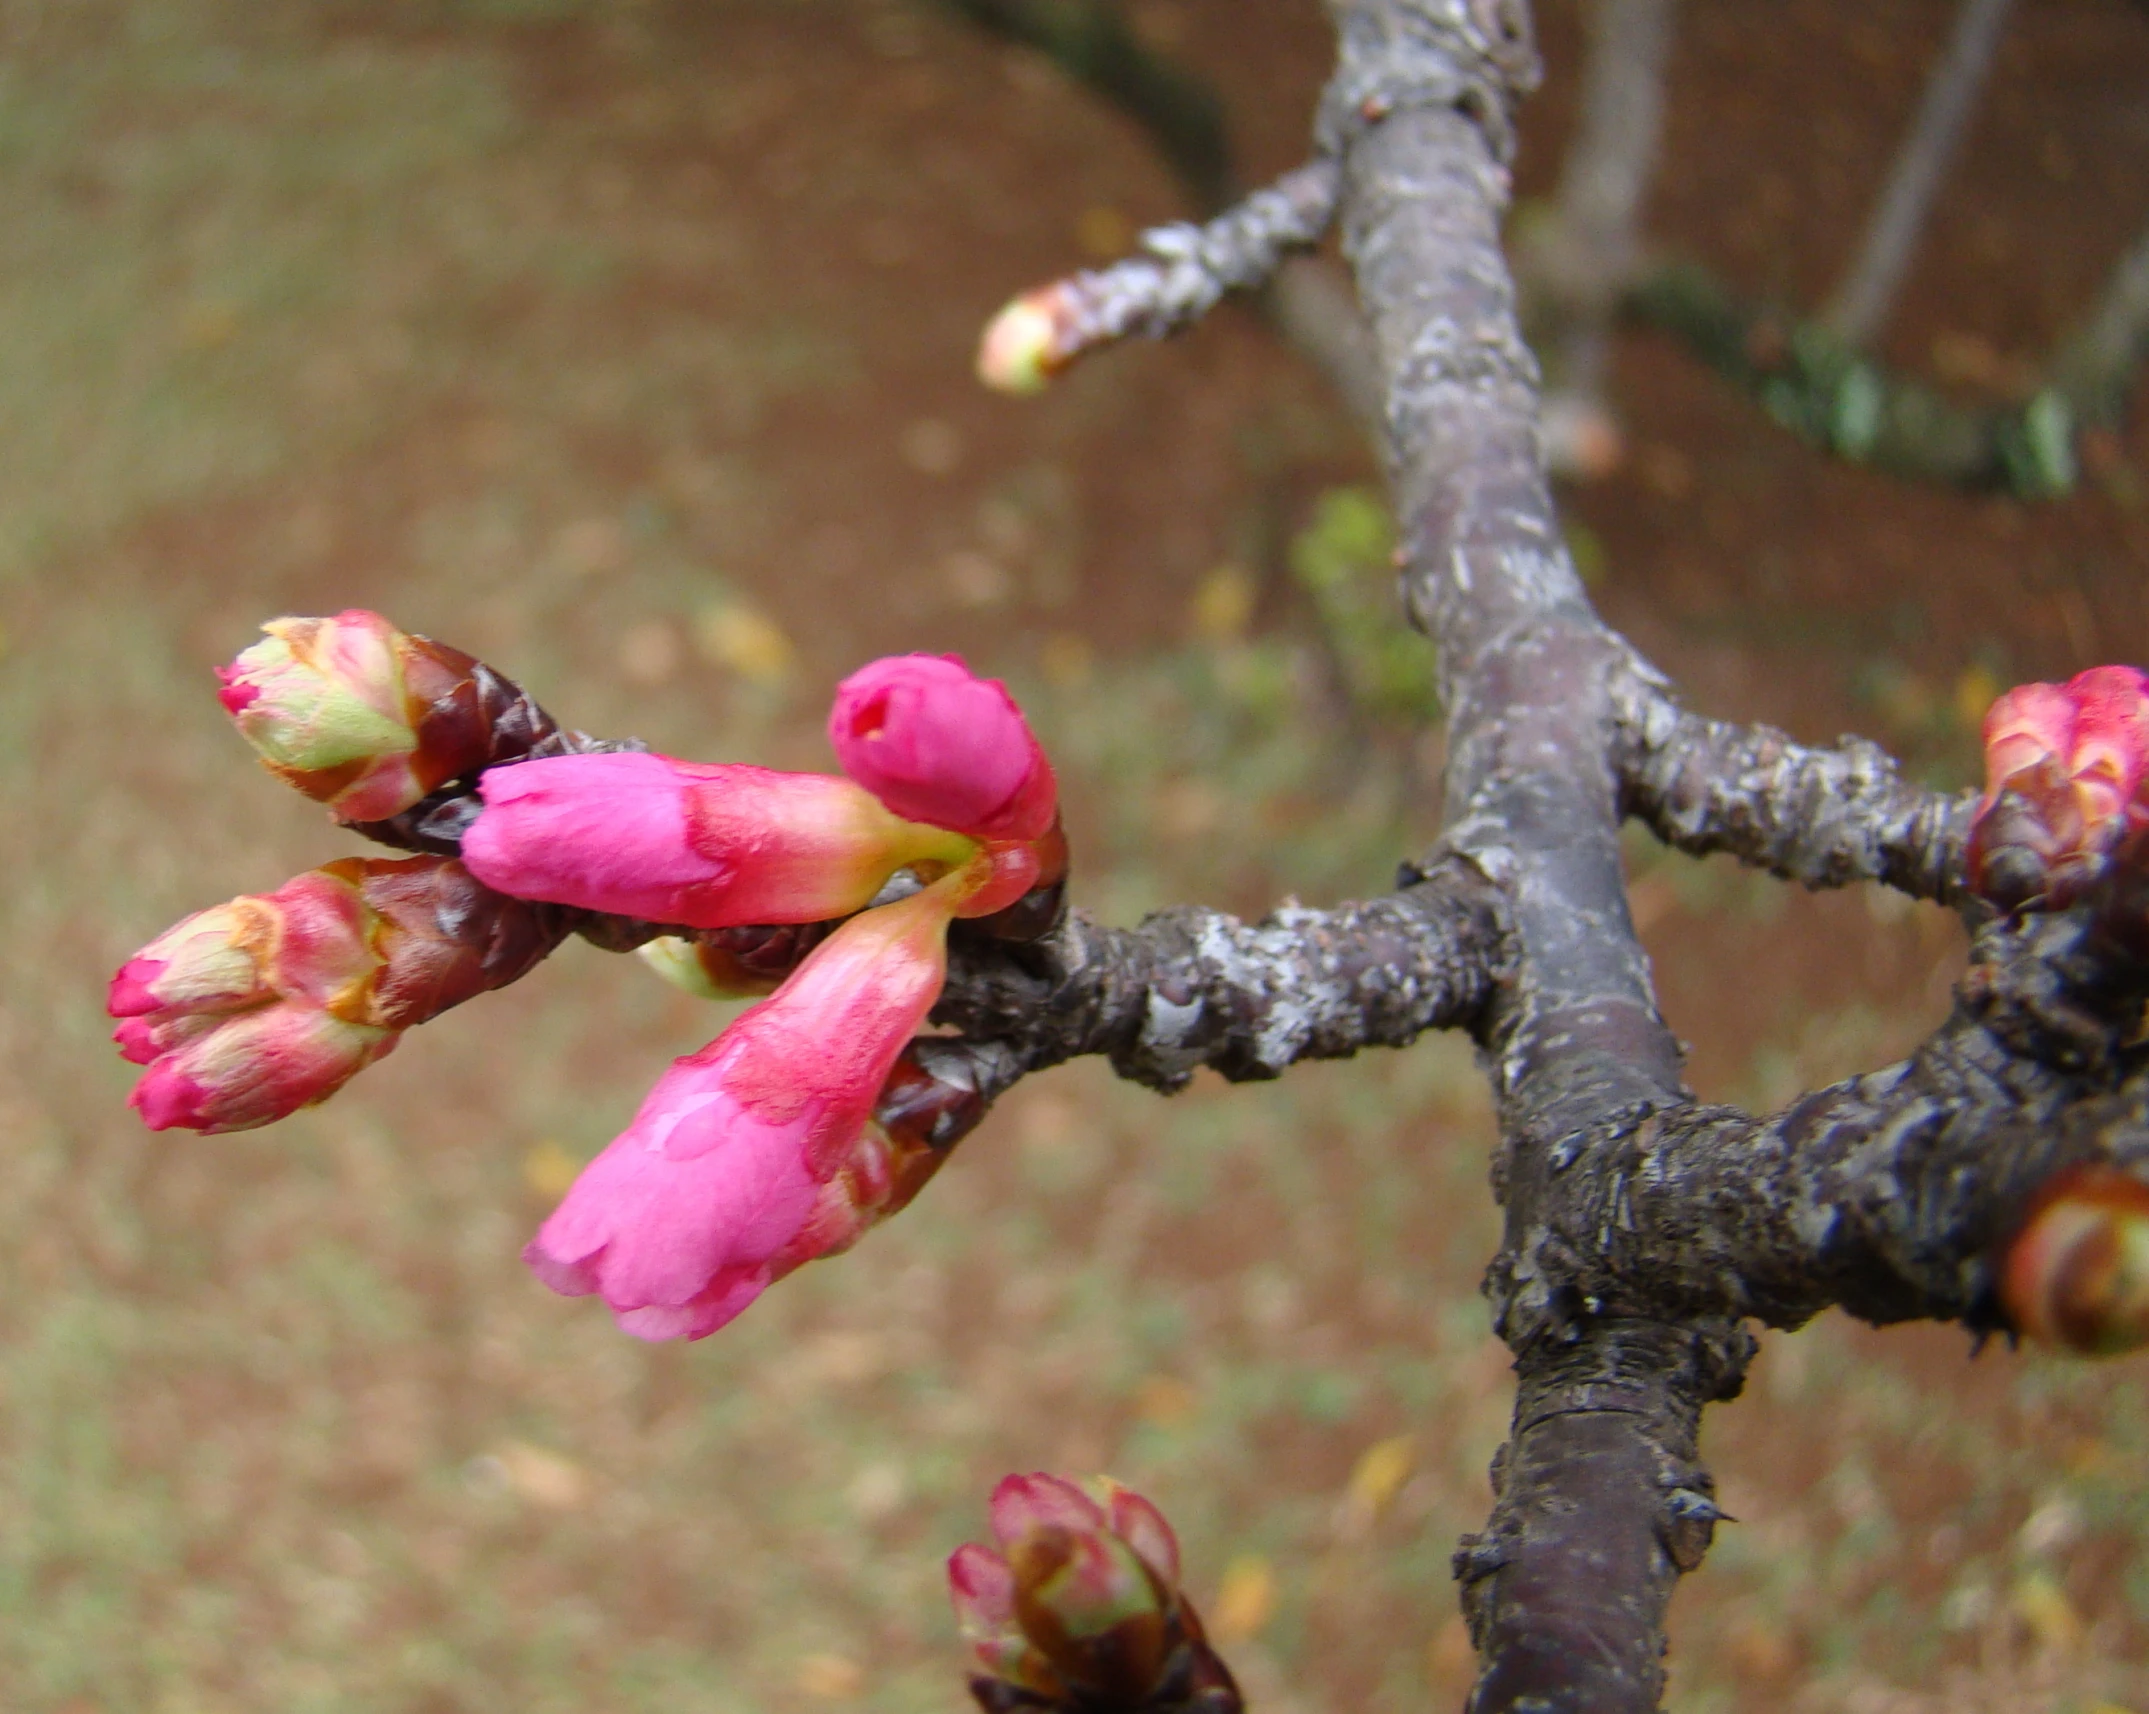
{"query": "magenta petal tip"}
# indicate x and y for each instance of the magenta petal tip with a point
(169, 1100)
(131, 994)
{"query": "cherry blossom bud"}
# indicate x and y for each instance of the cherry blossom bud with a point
(252, 1009)
(254, 1067)
(2077, 1275)
(1022, 347)
(982, 1591)
(937, 744)
(754, 1155)
(248, 1011)
(369, 719)
(700, 845)
(2064, 767)
(1079, 1606)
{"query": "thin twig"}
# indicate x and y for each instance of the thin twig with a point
(1862, 302)
(2095, 368)
(1304, 296)
(1593, 246)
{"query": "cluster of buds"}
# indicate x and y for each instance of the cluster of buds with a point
(2064, 783)
(1077, 1608)
(2065, 815)
(368, 719)
(806, 1122)
(762, 1151)
(250, 1010)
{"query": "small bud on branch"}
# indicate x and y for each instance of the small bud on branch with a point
(2077, 1275)
(368, 719)
(2064, 767)
(718, 845)
(1079, 1610)
(253, 1009)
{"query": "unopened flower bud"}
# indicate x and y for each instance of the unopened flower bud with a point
(2077, 1275)
(1079, 1606)
(938, 744)
(368, 719)
(700, 845)
(1023, 346)
(255, 1008)
(2064, 770)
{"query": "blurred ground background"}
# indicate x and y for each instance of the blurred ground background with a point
(628, 344)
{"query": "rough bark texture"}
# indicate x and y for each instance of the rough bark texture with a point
(1823, 818)
(1184, 270)
(1192, 987)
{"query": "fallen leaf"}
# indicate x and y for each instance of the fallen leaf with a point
(1376, 1478)
(743, 640)
(830, 1677)
(549, 1169)
(1245, 1601)
(543, 1478)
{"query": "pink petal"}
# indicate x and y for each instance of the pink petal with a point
(982, 1589)
(131, 993)
(1021, 1504)
(684, 1208)
(1142, 1527)
(168, 1098)
(235, 692)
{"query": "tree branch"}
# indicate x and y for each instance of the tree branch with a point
(1193, 987)
(1862, 302)
(1598, 1507)
(1303, 296)
(1823, 818)
(1834, 398)
(1569, 1582)
(1183, 271)
(1891, 1194)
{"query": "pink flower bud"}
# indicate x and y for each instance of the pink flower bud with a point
(1080, 1606)
(271, 1002)
(1142, 1527)
(369, 719)
(704, 846)
(751, 1157)
(936, 744)
(2064, 768)
(254, 1067)
(323, 701)
(982, 1590)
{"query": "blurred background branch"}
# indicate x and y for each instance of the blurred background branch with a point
(1861, 303)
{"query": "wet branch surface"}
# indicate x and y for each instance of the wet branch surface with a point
(1643, 1230)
